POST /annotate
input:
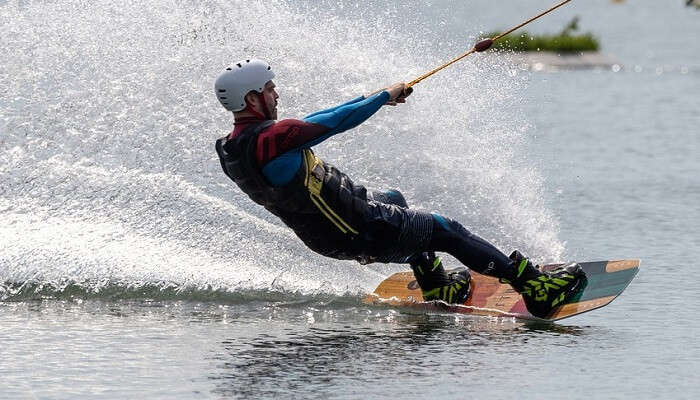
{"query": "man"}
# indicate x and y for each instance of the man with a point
(273, 164)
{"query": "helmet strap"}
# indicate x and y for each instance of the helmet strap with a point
(264, 106)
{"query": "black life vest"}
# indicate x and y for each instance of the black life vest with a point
(321, 204)
(237, 158)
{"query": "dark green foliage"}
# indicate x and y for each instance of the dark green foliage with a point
(564, 42)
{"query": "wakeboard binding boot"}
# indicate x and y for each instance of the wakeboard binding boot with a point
(542, 291)
(436, 284)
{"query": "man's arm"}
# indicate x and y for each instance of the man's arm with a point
(355, 100)
(279, 147)
(291, 135)
(346, 116)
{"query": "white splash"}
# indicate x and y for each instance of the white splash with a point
(106, 139)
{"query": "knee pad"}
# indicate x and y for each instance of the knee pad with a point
(393, 197)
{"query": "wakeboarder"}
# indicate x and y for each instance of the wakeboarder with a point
(272, 162)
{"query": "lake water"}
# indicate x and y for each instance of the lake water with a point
(130, 267)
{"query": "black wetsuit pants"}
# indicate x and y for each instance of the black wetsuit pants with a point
(449, 236)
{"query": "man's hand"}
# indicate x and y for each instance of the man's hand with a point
(398, 93)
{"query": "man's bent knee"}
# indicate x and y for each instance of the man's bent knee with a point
(393, 197)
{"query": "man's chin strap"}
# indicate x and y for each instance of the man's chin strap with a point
(258, 115)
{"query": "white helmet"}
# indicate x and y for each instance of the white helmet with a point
(236, 82)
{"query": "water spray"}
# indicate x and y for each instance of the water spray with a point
(479, 47)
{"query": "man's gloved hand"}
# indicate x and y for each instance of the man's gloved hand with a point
(398, 93)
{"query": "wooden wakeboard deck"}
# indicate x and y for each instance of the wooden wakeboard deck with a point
(606, 280)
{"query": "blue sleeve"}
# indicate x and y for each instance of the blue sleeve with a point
(282, 168)
(346, 116)
(355, 100)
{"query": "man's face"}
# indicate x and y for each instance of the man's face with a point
(271, 97)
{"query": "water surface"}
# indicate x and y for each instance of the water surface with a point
(130, 267)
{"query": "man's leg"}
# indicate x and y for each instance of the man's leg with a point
(430, 274)
(474, 252)
(541, 291)
(422, 262)
(428, 233)
(451, 237)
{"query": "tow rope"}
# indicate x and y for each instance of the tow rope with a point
(479, 47)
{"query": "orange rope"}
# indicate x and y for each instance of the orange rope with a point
(427, 74)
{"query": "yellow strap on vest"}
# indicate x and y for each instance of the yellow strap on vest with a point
(314, 183)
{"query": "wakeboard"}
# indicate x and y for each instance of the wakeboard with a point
(605, 281)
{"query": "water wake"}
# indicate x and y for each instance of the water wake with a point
(109, 179)
(105, 290)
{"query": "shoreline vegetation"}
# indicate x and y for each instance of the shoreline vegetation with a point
(565, 42)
